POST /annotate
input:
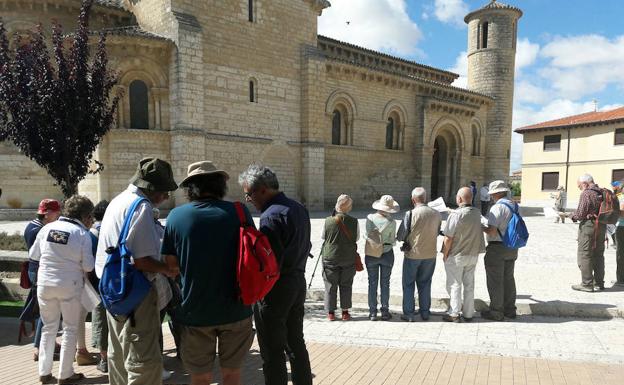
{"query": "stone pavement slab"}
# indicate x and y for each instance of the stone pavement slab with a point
(350, 364)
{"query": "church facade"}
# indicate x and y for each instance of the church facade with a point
(242, 81)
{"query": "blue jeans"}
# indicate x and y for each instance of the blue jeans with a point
(379, 270)
(32, 276)
(417, 272)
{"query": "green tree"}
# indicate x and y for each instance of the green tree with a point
(56, 111)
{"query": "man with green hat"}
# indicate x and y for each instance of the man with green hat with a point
(134, 356)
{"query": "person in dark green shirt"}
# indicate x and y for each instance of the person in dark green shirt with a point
(203, 235)
(339, 251)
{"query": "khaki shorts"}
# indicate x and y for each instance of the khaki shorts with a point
(199, 345)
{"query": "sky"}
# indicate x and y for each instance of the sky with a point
(570, 53)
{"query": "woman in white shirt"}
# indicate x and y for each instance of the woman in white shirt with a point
(63, 249)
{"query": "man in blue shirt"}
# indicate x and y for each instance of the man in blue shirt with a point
(203, 236)
(279, 316)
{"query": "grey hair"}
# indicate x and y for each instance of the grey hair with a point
(420, 194)
(586, 178)
(258, 175)
(77, 207)
(465, 194)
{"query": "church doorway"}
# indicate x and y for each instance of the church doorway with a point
(444, 168)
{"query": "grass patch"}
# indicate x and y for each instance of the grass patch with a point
(13, 242)
(12, 303)
(11, 309)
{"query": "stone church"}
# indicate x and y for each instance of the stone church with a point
(242, 81)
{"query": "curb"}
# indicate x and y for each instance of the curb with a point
(550, 309)
(10, 290)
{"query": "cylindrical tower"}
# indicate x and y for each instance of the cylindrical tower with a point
(492, 35)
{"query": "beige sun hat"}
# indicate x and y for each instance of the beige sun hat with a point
(386, 203)
(344, 204)
(498, 186)
(205, 167)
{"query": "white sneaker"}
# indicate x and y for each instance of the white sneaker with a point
(166, 375)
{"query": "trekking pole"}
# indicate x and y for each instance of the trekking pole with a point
(313, 271)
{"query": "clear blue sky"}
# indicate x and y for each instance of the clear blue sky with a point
(570, 52)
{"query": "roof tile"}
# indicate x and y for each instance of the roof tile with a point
(576, 120)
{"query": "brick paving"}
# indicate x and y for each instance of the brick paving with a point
(348, 364)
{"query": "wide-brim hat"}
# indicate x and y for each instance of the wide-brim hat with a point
(344, 204)
(498, 186)
(154, 174)
(205, 167)
(386, 203)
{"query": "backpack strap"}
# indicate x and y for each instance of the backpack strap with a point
(241, 214)
(126, 225)
(514, 208)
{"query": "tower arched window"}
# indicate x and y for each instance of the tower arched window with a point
(139, 113)
(484, 35)
(250, 10)
(253, 91)
(336, 127)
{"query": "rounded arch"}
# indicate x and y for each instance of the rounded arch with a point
(341, 112)
(476, 132)
(449, 126)
(142, 67)
(395, 116)
(341, 97)
(252, 83)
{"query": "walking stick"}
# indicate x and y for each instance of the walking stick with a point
(313, 271)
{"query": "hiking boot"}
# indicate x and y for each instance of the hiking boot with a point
(450, 318)
(466, 319)
(345, 315)
(511, 315)
(331, 316)
(76, 377)
(599, 288)
(83, 359)
(102, 366)
(586, 288)
(408, 318)
(372, 316)
(47, 379)
(386, 316)
(491, 316)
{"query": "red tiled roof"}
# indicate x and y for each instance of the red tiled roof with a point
(577, 120)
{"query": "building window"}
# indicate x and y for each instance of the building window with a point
(484, 35)
(552, 142)
(336, 127)
(139, 114)
(250, 10)
(619, 136)
(476, 141)
(253, 91)
(550, 181)
(617, 175)
(390, 134)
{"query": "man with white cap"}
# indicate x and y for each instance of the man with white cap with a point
(203, 236)
(500, 260)
(419, 230)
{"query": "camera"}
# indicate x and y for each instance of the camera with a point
(406, 246)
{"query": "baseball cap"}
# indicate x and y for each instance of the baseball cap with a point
(48, 205)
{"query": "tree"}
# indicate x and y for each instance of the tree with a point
(56, 112)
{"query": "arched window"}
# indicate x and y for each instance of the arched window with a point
(476, 141)
(336, 127)
(484, 34)
(253, 91)
(139, 114)
(390, 133)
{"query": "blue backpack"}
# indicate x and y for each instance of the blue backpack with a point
(122, 286)
(516, 235)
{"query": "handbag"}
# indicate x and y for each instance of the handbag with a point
(358, 260)
(374, 243)
(24, 280)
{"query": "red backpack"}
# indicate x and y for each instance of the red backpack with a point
(257, 269)
(609, 212)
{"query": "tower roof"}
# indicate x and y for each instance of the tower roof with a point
(493, 5)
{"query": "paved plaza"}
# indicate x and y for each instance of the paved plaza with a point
(584, 347)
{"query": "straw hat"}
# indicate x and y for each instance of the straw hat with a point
(498, 186)
(344, 204)
(386, 203)
(205, 167)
